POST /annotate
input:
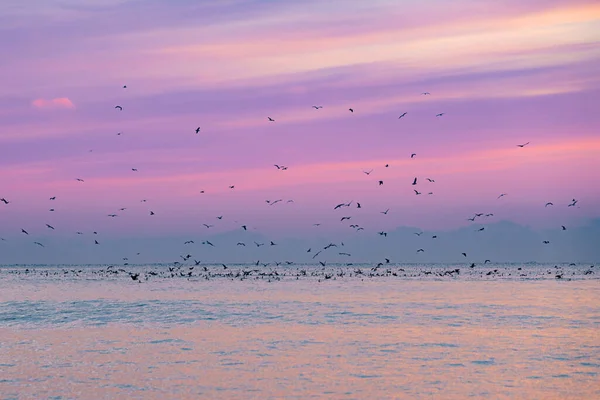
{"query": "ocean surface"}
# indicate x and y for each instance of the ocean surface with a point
(300, 331)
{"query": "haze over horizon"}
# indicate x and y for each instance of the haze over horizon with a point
(503, 73)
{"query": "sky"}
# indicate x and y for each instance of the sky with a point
(502, 73)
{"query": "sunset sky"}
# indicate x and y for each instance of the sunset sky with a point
(503, 73)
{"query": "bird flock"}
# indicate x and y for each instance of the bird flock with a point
(319, 255)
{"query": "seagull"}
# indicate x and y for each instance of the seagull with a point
(417, 192)
(244, 227)
(414, 182)
(124, 86)
(420, 251)
(564, 228)
(523, 145)
(351, 110)
(24, 231)
(232, 186)
(380, 183)
(418, 233)
(96, 242)
(546, 242)
(425, 93)
(481, 229)
(80, 180)
(486, 261)
(573, 203)
(343, 218)
(151, 212)
(189, 242)
(119, 108)
(241, 244)
(208, 243)
(53, 198)
(39, 244)
(502, 195)
(385, 212)
(317, 107)
(112, 215)
(548, 204)
(220, 217)
(440, 114)
(271, 119)
(430, 180)
(4, 200)
(413, 155)
(367, 172)
(208, 226)
(197, 130)
(464, 254)
(50, 226)
(402, 115)
(134, 169)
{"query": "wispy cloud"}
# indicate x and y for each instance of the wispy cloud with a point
(59, 102)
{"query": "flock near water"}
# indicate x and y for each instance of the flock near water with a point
(187, 266)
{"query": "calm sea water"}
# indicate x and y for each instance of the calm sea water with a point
(300, 332)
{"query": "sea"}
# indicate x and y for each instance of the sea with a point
(246, 331)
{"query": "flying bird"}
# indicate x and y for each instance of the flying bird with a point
(4, 200)
(413, 155)
(119, 108)
(80, 180)
(523, 145)
(317, 107)
(53, 198)
(430, 180)
(502, 195)
(380, 183)
(414, 182)
(440, 114)
(425, 93)
(402, 115)
(417, 192)
(385, 212)
(464, 254)
(39, 244)
(208, 226)
(197, 130)
(271, 119)
(151, 212)
(548, 204)
(351, 110)
(24, 231)
(367, 172)
(564, 228)
(50, 226)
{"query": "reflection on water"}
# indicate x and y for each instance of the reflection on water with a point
(335, 339)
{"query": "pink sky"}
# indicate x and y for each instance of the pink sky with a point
(504, 73)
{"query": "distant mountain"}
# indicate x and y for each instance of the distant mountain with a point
(502, 241)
